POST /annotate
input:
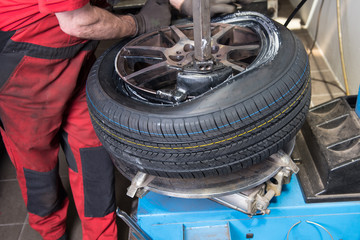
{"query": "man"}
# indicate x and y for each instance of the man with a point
(45, 56)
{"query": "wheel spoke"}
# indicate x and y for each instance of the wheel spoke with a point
(151, 77)
(233, 65)
(238, 53)
(248, 47)
(166, 39)
(179, 33)
(222, 32)
(132, 60)
(144, 51)
(147, 55)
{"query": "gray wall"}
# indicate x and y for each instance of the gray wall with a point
(327, 39)
(306, 12)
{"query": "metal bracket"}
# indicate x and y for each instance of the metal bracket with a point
(138, 183)
(256, 200)
(284, 175)
(244, 202)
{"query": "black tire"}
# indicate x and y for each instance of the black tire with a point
(233, 126)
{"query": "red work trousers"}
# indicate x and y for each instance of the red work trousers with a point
(42, 107)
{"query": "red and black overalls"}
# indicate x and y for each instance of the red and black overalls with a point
(43, 107)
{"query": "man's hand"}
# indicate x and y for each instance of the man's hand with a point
(154, 14)
(91, 22)
(216, 6)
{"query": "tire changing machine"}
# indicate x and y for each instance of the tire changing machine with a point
(263, 201)
(321, 202)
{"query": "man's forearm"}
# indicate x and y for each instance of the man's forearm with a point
(90, 22)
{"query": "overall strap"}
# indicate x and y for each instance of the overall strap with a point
(4, 38)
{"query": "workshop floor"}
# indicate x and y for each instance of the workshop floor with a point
(13, 216)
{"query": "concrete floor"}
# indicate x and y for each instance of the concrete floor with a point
(13, 216)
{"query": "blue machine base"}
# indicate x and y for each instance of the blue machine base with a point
(168, 218)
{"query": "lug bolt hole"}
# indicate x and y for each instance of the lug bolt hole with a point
(176, 58)
(214, 49)
(188, 48)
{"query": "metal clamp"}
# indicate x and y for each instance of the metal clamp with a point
(247, 202)
(138, 183)
(255, 201)
(284, 175)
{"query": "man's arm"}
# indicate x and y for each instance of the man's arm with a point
(90, 22)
